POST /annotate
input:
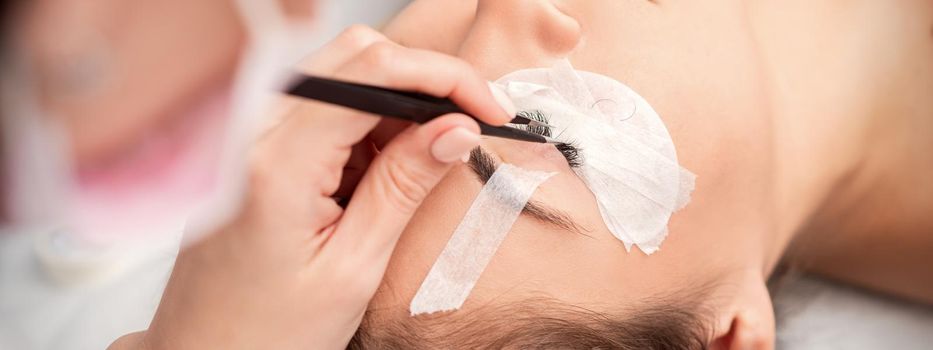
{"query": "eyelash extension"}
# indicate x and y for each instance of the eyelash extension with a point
(572, 153)
(570, 150)
(539, 116)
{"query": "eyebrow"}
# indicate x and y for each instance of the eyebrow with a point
(484, 165)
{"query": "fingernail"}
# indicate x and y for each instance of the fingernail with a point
(454, 144)
(504, 101)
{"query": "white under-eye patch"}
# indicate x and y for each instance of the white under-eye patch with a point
(629, 163)
(476, 239)
(629, 160)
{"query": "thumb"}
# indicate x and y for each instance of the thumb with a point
(397, 181)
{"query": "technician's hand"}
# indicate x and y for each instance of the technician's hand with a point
(294, 270)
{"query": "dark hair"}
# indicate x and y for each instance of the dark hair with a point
(670, 323)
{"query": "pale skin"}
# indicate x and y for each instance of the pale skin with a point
(315, 264)
(292, 265)
(808, 142)
(750, 102)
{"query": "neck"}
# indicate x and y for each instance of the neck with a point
(843, 143)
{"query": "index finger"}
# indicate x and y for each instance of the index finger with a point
(392, 66)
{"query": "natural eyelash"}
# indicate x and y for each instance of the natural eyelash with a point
(570, 150)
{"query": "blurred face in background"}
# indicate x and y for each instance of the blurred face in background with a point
(118, 74)
(127, 106)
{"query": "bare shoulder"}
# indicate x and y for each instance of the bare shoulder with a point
(874, 224)
(878, 233)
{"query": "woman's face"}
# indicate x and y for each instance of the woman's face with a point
(707, 87)
(572, 257)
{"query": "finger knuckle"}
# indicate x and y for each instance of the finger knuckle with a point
(323, 217)
(328, 212)
(461, 68)
(379, 55)
(327, 180)
(463, 72)
(358, 37)
(455, 73)
(406, 185)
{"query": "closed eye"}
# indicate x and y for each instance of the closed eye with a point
(569, 150)
(484, 165)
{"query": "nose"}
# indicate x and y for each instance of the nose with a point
(511, 34)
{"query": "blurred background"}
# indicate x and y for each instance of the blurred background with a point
(813, 313)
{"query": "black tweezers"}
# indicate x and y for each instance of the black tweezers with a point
(410, 106)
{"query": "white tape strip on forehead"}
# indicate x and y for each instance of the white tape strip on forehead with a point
(476, 239)
(628, 158)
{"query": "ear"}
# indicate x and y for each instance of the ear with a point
(747, 321)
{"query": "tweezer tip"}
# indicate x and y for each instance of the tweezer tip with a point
(552, 141)
(534, 122)
(528, 121)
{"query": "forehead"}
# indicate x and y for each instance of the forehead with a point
(534, 260)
